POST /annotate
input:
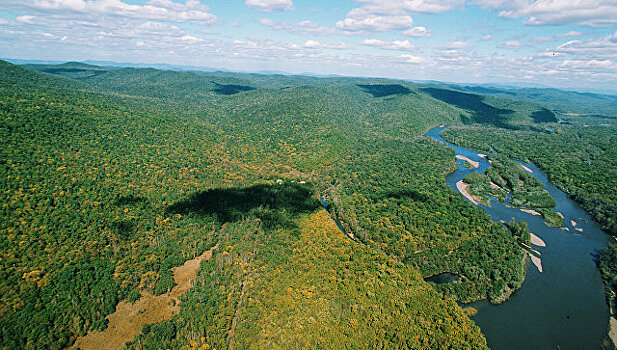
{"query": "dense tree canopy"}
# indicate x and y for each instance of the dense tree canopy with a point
(111, 177)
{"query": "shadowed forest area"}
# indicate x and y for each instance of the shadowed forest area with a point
(481, 113)
(383, 90)
(230, 89)
(274, 204)
(544, 116)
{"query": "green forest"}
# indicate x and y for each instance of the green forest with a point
(110, 178)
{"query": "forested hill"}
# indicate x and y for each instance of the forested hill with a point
(111, 177)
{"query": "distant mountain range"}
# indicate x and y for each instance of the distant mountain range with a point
(165, 66)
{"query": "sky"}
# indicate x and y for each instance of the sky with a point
(568, 44)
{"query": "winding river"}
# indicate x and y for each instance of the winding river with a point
(562, 307)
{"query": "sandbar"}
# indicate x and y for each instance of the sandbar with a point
(526, 169)
(573, 222)
(496, 186)
(536, 261)
(472, 162)
(537, 241)
(464, 189)
(612, 333)
(481, 155)
(579, 229)
(530, 211)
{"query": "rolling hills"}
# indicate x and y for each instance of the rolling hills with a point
(111, 177)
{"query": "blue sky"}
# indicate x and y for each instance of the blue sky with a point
(561, 43)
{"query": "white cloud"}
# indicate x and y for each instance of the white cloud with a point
(25, 19)
(541, 39)
(245, 44)
(165, 10)
(109, 36)
(395, 45)
(413, 59)
(431, 6)
(303, 27)
(191, 39)
(487, 37)
(372, 22)
(401, 6)
(545, 39)
(513, 44)
(589, 64)
(387, 15)
(270, 5)
(592, 60)
(455, 45)
(569, 34)
(556, 12)
(416, 32)
(76, 5)
(314, 44)
(595, 49)
(549, 53)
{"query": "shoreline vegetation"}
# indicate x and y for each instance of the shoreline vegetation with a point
(607, 264)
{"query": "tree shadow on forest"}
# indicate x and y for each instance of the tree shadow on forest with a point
(124, 229)
(404, 194)
(129, 200)
(481, 113)
(84, 73)
(543, 116)
(230, 89)
(382, 90)
(273, 204)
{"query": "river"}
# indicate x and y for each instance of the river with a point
(562, 307)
